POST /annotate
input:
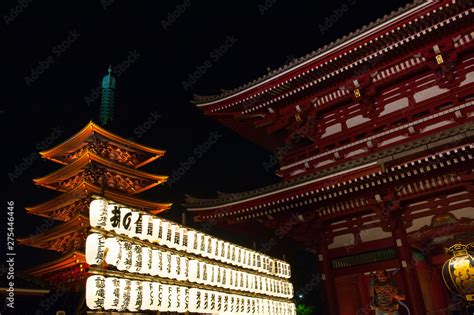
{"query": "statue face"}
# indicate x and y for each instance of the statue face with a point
(381, 276)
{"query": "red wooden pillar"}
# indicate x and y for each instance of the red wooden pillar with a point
(410, 276)
(327, 276)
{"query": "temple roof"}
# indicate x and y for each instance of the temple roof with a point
(72, 259)
(70, 235)
(286, 187)
(58, 208)
(71, 170)
(299, 62)
(91, 132)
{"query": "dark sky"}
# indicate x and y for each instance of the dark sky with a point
(154, 47)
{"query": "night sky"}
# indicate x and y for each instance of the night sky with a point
(54, 53)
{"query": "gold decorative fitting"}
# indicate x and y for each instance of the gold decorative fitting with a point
(439, 59)
(458, 271)
(357, 93)
(297, 117)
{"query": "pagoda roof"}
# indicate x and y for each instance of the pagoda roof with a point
(73, 259)
(298, 63)
(53, 208)
(91, 131)
(72, 169)
(61, 238)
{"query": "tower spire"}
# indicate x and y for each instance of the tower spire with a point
(108, 92)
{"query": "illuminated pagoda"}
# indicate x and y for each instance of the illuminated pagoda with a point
(374, 139)
(95, 162)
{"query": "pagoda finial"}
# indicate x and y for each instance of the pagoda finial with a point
(108, 91)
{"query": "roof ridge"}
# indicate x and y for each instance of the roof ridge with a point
(198, 99)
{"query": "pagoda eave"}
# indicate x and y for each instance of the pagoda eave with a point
(75, 141)
(85, 192)
(61, 238)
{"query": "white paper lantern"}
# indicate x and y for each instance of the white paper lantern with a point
(156, 294)
(193, 270)
(238, 256)
(231, 255)
(112, 254)
(184, 268)
(125, 288)
(175, 267)
(192, 242)
(95, 248)
(147, 233)
(228, 278)
(184, 300)
(201, 244)
(137, 259)
(164, 233)
(179, 299)
(147, 294)
(225, 252)
(232, 304)
(125, 260)
(174, 236)
(205, 303)
(95, 292)
(147, 260)
(202, 272)
(136, 229)
(124, 217)
(183, 239)
(156, 262)
(220, 249)
(225, 303)
(156, 231)
(136, 296)
(212, 302)
(170, 297)
(194, 300)
(258, 262)
(219, 300)
(98, 213)
(214, 250)
(166, 270)
(206, 240)
(112, 294)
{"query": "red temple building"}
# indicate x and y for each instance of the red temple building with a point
(374, 139)
(95, 162)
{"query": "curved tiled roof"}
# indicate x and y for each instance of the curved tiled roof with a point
(199, 99)
(226, 198)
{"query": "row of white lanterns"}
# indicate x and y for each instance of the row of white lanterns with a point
(132, 223)
(135, 258)
(109, 293)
